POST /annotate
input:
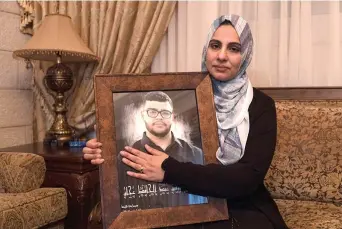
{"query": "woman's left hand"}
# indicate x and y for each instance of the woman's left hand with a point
(149, 165)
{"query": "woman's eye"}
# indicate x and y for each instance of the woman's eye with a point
(215, 46)
(235, 49)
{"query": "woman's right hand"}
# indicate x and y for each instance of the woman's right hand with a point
(93, 151)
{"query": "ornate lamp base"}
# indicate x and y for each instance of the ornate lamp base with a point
(59, 79)
(59, 140)
(60, 132)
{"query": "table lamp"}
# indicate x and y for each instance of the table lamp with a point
(56, 40)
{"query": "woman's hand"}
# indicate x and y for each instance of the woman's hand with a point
(149, 165)
(92, 152)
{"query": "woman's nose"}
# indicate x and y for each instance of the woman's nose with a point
(223, 55)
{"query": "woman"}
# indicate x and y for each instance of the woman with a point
(247, 132)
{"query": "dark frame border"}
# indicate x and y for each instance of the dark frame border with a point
(105, 85)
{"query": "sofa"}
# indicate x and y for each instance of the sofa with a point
(23, 204)
(305, 177)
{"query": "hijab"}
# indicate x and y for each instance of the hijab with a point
(233, 97)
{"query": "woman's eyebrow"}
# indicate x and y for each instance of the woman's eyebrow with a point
(214, 40)
(234, 43)
(230, 43)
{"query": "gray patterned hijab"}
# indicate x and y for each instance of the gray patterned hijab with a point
(232, 98)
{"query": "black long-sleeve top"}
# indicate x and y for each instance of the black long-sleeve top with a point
(240, 183)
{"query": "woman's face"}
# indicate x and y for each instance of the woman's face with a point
(224, 53)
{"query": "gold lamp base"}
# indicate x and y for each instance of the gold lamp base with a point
(60, 132)
(59, 79)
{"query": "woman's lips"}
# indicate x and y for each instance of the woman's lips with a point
(220, 68)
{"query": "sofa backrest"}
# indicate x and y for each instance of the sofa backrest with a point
(307, 164)
(21, 172)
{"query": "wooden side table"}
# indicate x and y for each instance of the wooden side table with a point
(65, 167)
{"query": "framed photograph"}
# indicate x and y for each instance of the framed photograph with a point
(172, 112)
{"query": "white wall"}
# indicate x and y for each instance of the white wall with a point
(15, 81)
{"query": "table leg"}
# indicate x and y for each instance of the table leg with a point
(83, 194)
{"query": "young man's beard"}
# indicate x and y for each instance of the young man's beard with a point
(160, 134)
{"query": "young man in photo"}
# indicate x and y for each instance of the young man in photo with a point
(158, 117)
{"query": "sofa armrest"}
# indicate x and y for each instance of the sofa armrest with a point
(21, 172)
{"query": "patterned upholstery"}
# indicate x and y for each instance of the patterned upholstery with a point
(300, 214)
(307, 166)
(2, 190)
(21, 172)
(25, 205)
(32, 209)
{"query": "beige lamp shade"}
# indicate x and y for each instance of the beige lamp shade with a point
(56, 35)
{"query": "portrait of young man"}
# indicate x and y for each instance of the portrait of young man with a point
(157, 113)
(158, 117)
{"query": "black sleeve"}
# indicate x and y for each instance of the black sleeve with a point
(236, 180)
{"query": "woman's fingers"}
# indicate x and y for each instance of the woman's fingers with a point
(93, 152)
(152, 150)
(147, 165)
(138, 175)
(137, 153)
(133, 158)
(97, 161)
(93, 143)
(89, 154)
(87, 150)
(133, 165)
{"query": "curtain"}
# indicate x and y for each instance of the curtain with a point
(26, 16)
(296, 43)
(124, 34)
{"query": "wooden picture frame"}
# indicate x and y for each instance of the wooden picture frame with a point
(112, 215)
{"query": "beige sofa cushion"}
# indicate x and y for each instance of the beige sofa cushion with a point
(32, 209)
(308, 160)
(21, 172)
(2, 189)
(300, 214)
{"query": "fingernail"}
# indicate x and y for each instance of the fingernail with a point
(99, 144)
(122, 153)
(101, 160)
(98, 156)
(98, 151)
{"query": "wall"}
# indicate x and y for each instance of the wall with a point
(16, 107)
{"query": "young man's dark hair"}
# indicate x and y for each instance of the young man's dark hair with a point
(157, 96)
